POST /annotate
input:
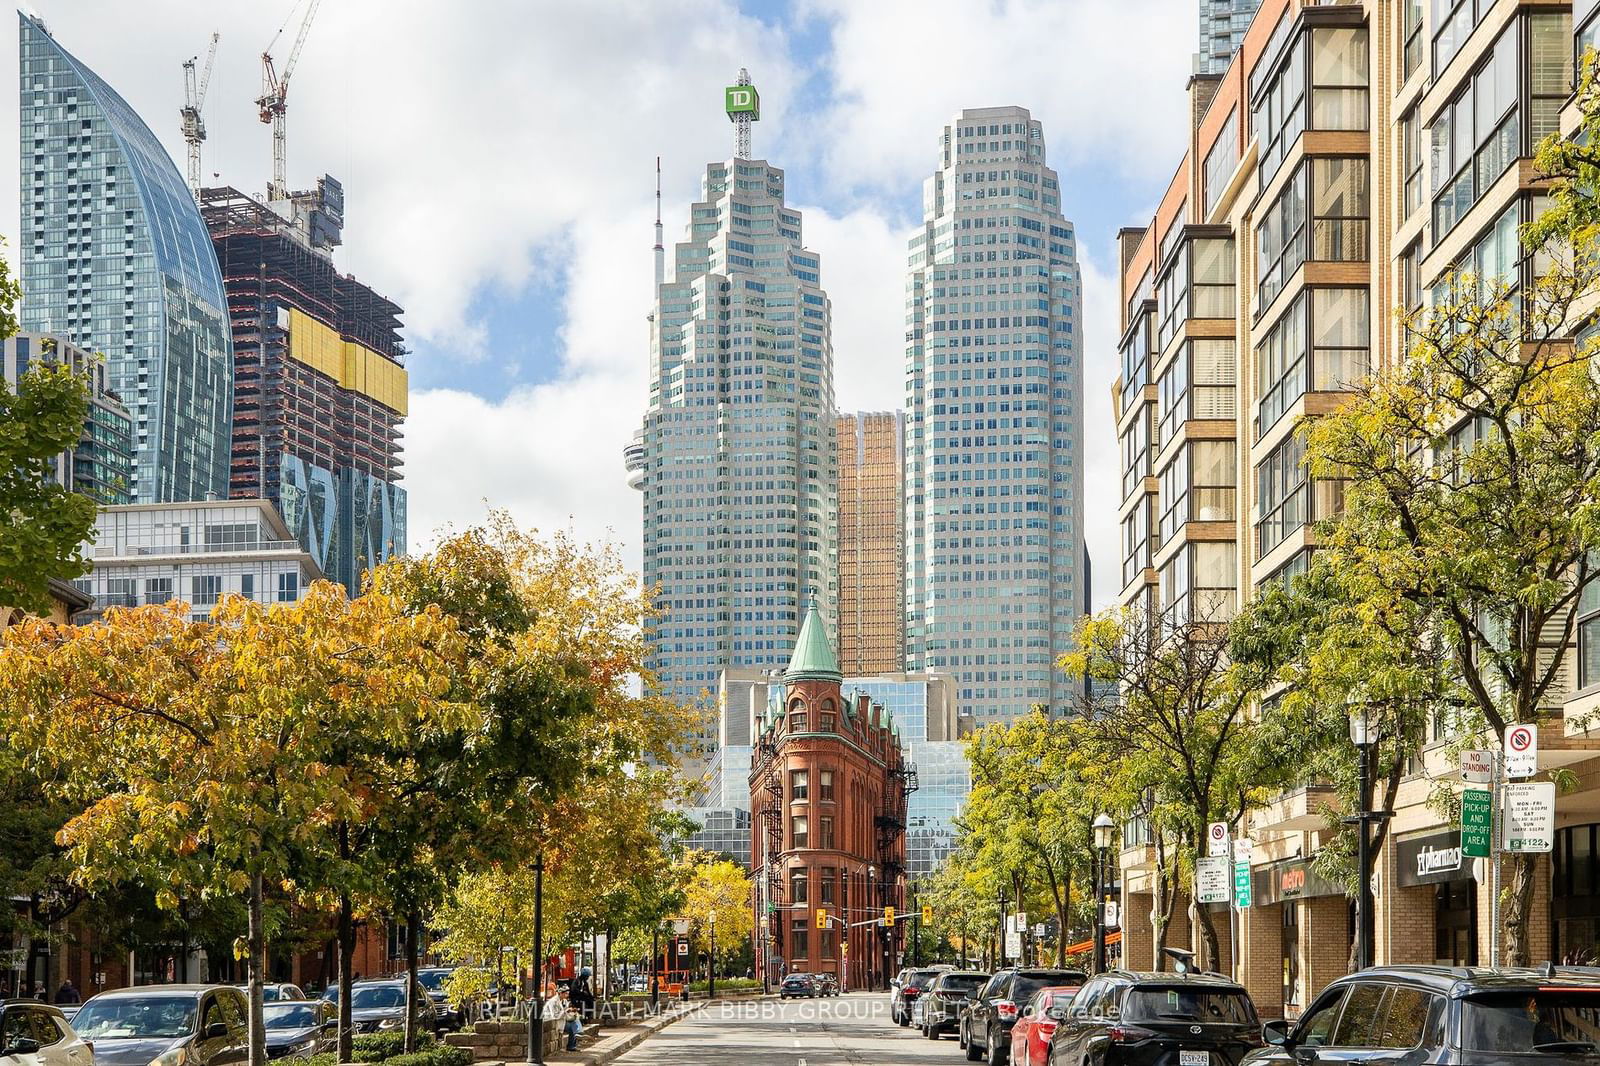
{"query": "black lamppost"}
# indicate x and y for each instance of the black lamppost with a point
(655, 967)
(1001, 899)
(872, 966)
(536, 1015)
(1103, 828)
(1365, 737)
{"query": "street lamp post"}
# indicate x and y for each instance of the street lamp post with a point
(872, 876)
(1103, 828)
(1001, 899)
(1364, 737)
(536, 1015)
(655, 967)
(711, 966)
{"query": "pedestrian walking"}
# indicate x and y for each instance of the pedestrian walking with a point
(67, 994)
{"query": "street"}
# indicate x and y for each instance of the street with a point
(824, 1032)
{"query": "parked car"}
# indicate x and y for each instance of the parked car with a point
(827, 984)
(272, 993)
(941, 1003)
(912, 985)
(68, 1010)
(986, 1024)
(1156, 1019)
(36, 1034)
(379, 1004)
(301, 1028)
(432, 979)
(798, 986)
(1030, 1037)
(1452, 1015)
(165, 1025)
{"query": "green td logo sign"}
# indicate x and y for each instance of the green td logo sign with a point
(742, 100)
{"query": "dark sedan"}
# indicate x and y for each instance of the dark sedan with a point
(380, 1005)
(301, 1029)
(1157, 1019)
(798, 986)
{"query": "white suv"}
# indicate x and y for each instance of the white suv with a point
(36, 1034)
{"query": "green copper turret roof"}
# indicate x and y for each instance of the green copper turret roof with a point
(813, 658)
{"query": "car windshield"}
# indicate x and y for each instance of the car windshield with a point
(922, 978)
(962, 982)
(373, 997)
(291, 1016)
(432, 980)
(135, 1017)
(1215, 1006)
(1544, 1020)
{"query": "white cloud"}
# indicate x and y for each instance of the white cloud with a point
(863, 268)
(1102, 486)
(1090, 70)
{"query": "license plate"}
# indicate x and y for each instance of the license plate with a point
(1194, 1058)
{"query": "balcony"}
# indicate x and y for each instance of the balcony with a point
(106, 551)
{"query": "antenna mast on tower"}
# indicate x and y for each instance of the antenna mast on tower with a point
(744, 108)
(661, 254)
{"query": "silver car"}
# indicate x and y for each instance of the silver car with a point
(35, 1034)
(165, 1025)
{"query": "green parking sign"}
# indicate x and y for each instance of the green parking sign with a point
(1477, 822)
(1241, 885)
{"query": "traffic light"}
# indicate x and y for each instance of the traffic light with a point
(844, 947)
(927, 914)
(888, 917)
(822, 918)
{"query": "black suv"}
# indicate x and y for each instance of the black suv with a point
(941, 1003)
(987, 1021)
(1463, 1016)
(1123, 1018)
(912, 984)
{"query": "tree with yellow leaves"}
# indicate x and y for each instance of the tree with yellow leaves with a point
(717, 902)
(211, 753)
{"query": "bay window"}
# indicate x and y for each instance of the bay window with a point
(1198, 283)
(1198, 385)
(1198, 485)
(1136, 540)
(1339, 77)
(1338, 226)
(1483, 131)
(1200, 582)
(1281, 494)
(1136, 454)
(1321, 343)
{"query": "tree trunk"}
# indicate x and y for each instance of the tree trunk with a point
(257, 937)
(1063, 907)
(1208, 947)
(1160, 909)
(347, 950)
(413, 932)
(1514, 911)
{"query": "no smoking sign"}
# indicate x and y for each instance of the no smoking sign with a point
(1522, 750)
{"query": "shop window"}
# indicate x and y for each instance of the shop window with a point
(1455, 924)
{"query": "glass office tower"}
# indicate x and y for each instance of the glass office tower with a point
(995, 566)
(116, 259)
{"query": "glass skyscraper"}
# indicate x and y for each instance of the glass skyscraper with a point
(1222, 26)
(737, 457)
(995, 565)
(116, 259)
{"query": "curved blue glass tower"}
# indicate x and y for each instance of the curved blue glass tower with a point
(116, 257)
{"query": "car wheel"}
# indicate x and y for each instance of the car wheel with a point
(997, 1050)
(933, 1032)
(973, 1054)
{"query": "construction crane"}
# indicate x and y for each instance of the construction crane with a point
(194, 98)
(275, 94)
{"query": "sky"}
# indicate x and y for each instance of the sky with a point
(498, 160)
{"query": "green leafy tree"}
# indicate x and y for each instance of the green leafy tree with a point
(208, 753)
(1180, 725)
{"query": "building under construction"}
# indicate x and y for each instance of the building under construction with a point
(319, 378)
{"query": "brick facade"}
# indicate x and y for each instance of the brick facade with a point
(828, 790)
